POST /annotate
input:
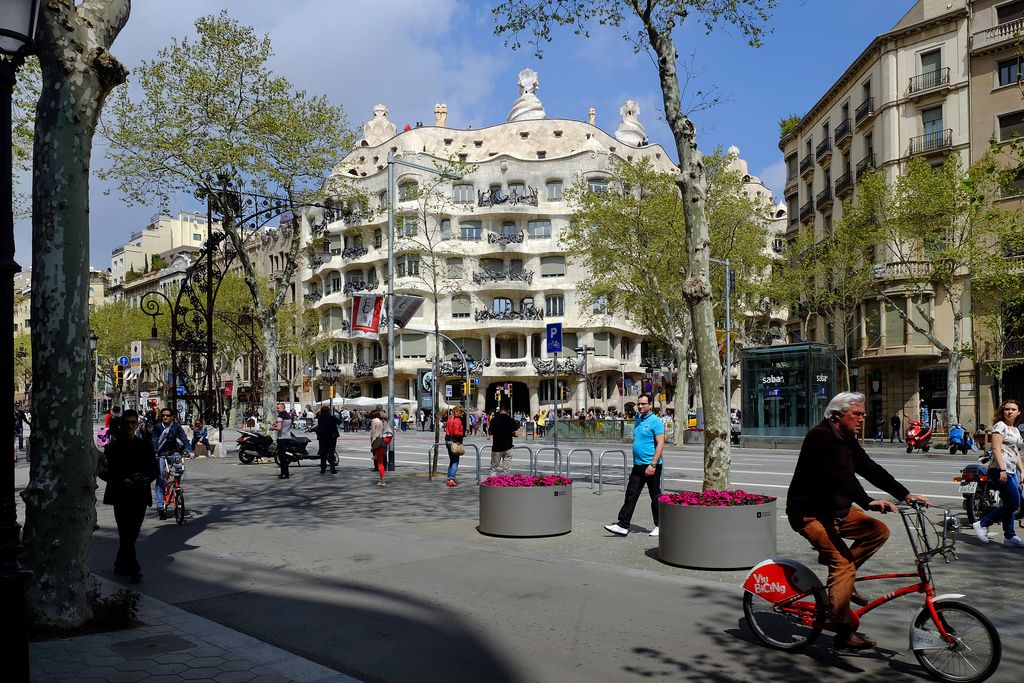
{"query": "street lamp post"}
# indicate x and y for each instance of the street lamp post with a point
(585, 350)
(95, 365)
(392, 162)
(728, 336)
(17, 31)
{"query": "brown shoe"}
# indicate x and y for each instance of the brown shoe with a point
(853, 641)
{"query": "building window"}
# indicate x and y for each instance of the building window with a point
(196, 236)
(872, 324)
(778, 245)
(931, 62)
(1011, 125)
(895, 328)
(470, 230)
(515, 266)
(446, 229)
(378, 238)
(931, 122)
(407, 191)
(547, 392)
(408, 226)
(602, 344)
(625, 348)
(508, 228)
(539, 229)
(517, 190)
(526, 303)
(413, 346)
(554, 305)
(461, 306)
(1009, 71)
(791, 167)
(455, 270)
(597, 185)
(552, 266)
(1010, 11)
(501, 305)
(462, 194)
(407, 265)
(554, 190)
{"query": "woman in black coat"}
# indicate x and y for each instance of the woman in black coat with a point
(326, 431)
(130, 469)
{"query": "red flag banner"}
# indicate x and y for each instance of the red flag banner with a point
(366, 310)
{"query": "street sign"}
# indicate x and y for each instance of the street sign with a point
(476, 381)
(181, 391)
(447, 390)
(554, 337)
(143, 394)
(123, 361)
(136, 356)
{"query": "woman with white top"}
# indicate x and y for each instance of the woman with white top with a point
(1006, 469)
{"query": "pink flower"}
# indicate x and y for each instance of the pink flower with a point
(711, 498)
(519, 481)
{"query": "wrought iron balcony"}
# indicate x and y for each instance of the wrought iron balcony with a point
(566, 366)
(843, 132)
(824, 149)
(807, 210)
(936, 141)
(498, 238)
(865, 164)
(527, 313)
(494, 197)
(315, 259)
(1013, 348)
(866, 109)
(360, 286)
(313, 296)
(503, 276)
(355, 252)
(928, 80)
(823, 199)
(844, 184)
(806, 164)
(361, 369)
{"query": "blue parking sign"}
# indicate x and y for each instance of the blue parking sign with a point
(554, 337)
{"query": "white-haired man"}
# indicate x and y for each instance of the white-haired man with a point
(820, 501)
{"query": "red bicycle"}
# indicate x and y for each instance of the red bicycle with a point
(174, 495)
(787, 606)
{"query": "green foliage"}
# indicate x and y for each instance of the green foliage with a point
(788, 125)
(132, 275)
(158, 262)
(23, 115)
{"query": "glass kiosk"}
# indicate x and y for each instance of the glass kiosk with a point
(786, 388)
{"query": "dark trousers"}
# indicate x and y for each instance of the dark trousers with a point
(326, 450)
(128, 517)
(637, 479)
(283, 460)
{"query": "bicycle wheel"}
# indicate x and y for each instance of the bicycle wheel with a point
(975, 654)
(782, 630)
(179, 507)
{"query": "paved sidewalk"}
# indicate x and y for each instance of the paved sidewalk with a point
(174, 645)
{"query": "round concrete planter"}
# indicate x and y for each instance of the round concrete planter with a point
(730, 537)
(524, 511)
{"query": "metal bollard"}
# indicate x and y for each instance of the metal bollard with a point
(568, 463)
(558, 458)
(600, 469)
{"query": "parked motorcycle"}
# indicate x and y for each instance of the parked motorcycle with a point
(980, 492)
(252, 445)
(294, 448)
(960, 440)
(918, 436)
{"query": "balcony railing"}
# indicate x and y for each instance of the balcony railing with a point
(1006, 32)
(823, 199)
(928, 80)
(807, 210)
(527, 313)
(865, 164)
(866, 109)
(354, 252)
(823, 149)
(932, 142)
(503, 276)
(901, 270)
(843, 132)
(1013, 348)
(502, 238)
(844, 184)
(806, 164)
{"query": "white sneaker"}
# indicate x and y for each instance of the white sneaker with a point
(1014, 542)
(654, 532)
(616, 529)
(981, 531)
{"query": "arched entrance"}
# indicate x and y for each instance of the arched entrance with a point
(500, 391)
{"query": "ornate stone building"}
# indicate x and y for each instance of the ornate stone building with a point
(488, 245)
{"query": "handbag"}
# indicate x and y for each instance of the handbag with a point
(377, 443)
(458, 448)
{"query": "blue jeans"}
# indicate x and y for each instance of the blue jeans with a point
(1009, 494)
(162, 461)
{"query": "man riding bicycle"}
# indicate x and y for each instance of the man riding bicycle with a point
(819, 506)
(168, 438)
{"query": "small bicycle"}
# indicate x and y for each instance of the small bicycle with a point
(787, 606)
(174, 495)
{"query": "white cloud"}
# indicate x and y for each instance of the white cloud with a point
(774, 177)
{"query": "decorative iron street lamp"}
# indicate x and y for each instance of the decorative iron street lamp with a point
(585, 351)
(93, 339)
(18, 20)
(149, 305)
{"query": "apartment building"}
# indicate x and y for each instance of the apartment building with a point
(944, 80)
(161, 235)
(506, 274)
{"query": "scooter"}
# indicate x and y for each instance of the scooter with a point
(918, 436)
(294, 448)
(252, 445)
(980, 491)
(960, 440)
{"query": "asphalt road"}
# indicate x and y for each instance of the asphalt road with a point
(396, 584)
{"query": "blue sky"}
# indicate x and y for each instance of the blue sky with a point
(410, 54)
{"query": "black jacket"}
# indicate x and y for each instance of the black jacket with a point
(130, 459)
(502, 429)
(326, 428)
(825, 482)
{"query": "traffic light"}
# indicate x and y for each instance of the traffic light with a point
(330, 391)
(117, 374)
(465, 388)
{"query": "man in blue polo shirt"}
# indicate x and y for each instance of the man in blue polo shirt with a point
(648, 444)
